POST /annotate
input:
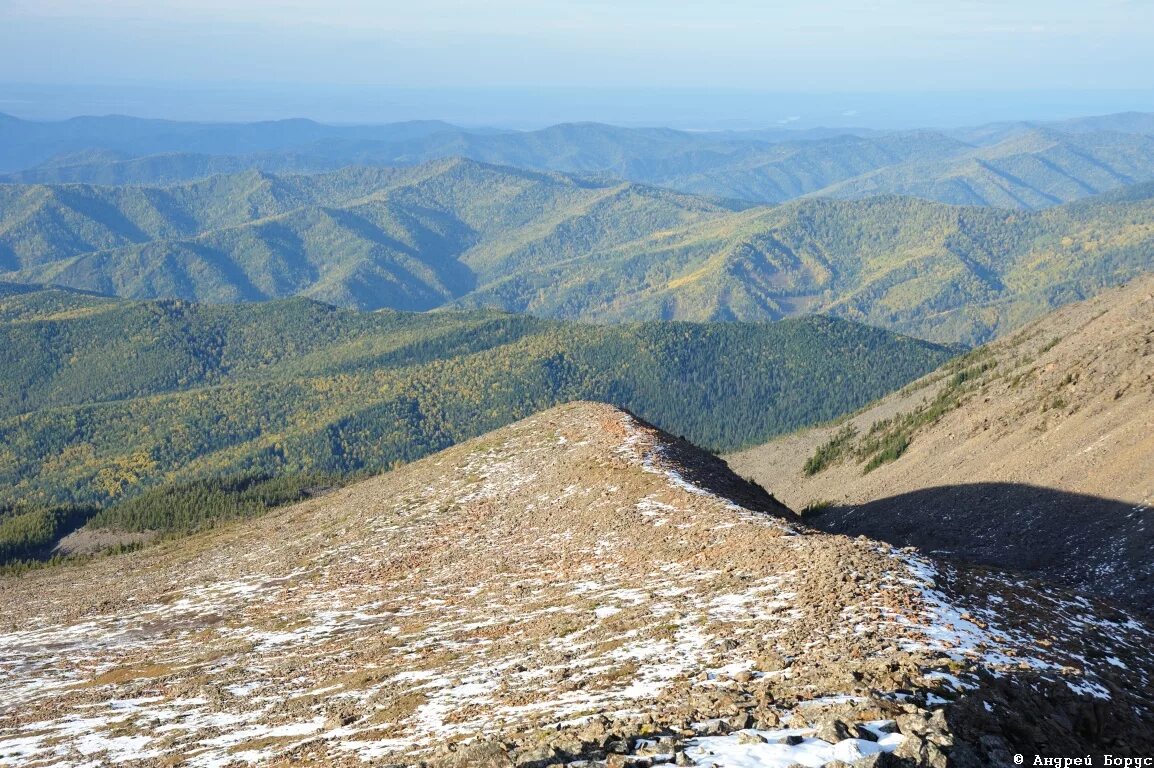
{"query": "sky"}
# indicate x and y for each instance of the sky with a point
(625, 47)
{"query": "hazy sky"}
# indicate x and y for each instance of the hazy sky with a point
(842, 46)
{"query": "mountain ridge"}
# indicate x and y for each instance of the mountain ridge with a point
(496, 604)
(995, 165)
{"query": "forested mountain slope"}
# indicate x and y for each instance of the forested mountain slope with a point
(465, 234)
(1035, 452)
(101, 398)
(409, 238)
(1036, 169)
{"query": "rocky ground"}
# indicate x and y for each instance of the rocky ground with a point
(576, 589)
(1047, 466)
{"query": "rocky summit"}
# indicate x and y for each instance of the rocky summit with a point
(577, 589)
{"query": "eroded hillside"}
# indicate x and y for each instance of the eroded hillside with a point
(1034, 453)
(575, 589)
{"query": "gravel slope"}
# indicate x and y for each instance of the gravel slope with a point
(575, 589)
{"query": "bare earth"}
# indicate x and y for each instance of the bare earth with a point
(91, 541)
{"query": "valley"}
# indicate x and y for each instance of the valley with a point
(105, 399)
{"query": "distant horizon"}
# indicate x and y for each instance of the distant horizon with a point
(523, 108)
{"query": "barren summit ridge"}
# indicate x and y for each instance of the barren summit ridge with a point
(576, 589)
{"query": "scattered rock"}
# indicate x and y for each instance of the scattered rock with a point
(792, 740)
(485, 754)
(496, 556)
(341, 717)
(715, 727)
(536, 755)
(740, 722)
(833, 731)
(768, 719)
(921, 752)
(878, 760)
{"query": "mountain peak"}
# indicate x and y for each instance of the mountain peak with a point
(574, 584)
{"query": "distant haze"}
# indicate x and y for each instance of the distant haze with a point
(537, 107)
(732, 63)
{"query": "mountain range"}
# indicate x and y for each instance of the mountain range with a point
(1017, 165)
(457, 233)
(359, 445)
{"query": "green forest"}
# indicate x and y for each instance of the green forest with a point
(106, 400)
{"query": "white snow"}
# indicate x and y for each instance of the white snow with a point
(1086, 687)
(728, 752)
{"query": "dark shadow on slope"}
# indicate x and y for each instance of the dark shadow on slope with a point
(710, 473)
(1028, 714)
(1102, 704)
(1097, 545)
